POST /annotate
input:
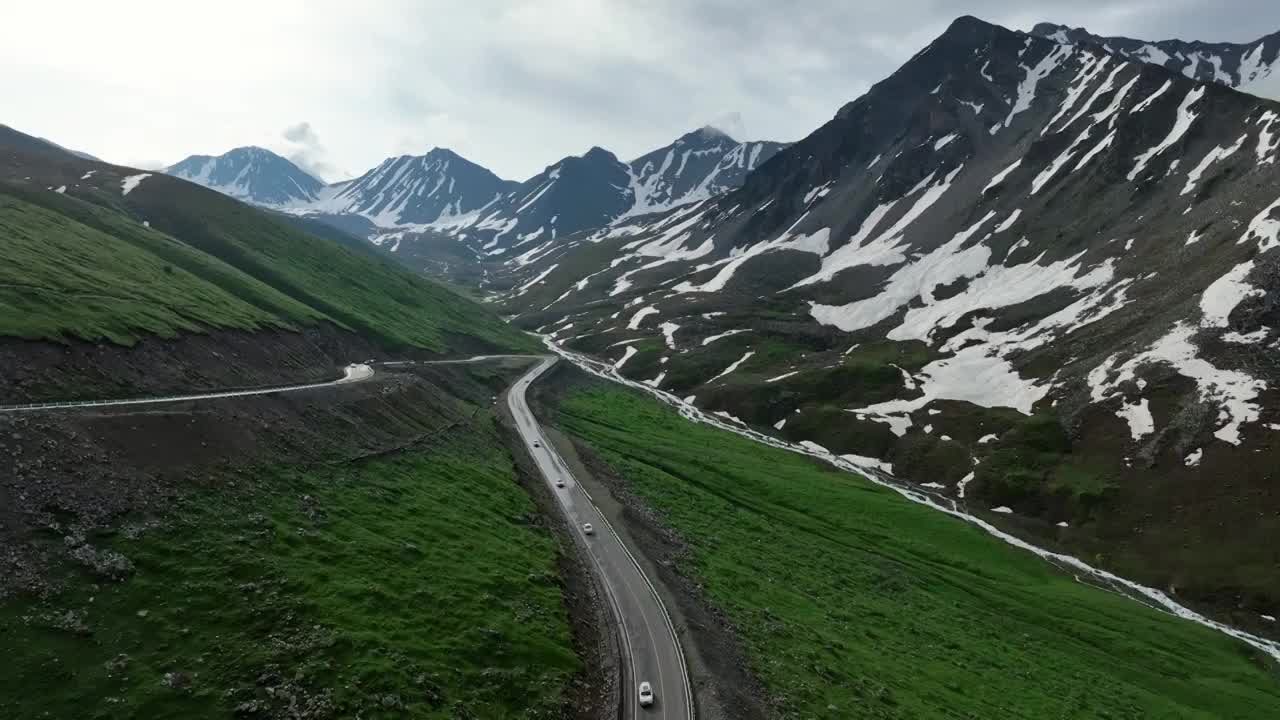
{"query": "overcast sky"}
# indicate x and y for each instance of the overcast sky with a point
(514, 85)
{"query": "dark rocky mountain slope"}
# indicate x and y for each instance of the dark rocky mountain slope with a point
(1035, 277)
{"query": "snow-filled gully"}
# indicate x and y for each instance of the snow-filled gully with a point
(1079, 569)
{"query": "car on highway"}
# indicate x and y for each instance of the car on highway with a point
(559, 483)
(537, 444)
(587, 529)
(646, 694)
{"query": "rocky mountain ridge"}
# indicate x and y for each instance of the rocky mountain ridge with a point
(1252, 67)
(251, 174)
(1036, 277)
(407, 198)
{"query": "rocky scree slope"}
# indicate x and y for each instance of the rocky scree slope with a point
(1035, 277)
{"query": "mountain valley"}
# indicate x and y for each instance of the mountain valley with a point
(964, 404)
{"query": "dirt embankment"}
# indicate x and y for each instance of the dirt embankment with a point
(76, 472)
(67, 476)
(724, 686)
(37, 371)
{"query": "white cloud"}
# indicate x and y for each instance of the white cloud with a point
(511, 84)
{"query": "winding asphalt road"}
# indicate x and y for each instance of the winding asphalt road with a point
(353, 373)
(650, 649)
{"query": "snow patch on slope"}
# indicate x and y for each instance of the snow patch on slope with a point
(130, 183)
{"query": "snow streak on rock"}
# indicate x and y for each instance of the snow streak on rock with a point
(1180, 126)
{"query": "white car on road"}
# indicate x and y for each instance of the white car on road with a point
(646, 694)
(587, 529)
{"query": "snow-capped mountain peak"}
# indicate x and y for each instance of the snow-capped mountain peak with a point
(595, 189)
(416, 189)
(252, 174)
(698, 165)
(442, 192)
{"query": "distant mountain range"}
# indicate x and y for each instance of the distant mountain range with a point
(252, 174)
(416, 190)
(1252, 67)
(443, 193)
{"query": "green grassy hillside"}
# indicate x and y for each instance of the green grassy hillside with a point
(96, 264)
(411, 586)
(87, 273)
(853, 602)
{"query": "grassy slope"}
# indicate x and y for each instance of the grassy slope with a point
(419, 577)
(853, 602)
(256, 269)
(370, 294)
(63, 277)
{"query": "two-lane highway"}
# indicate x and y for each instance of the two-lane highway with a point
(650, 649)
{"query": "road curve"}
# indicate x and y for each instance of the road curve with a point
(353, 373)
(649, 646)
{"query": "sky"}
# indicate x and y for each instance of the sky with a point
(513, 85)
